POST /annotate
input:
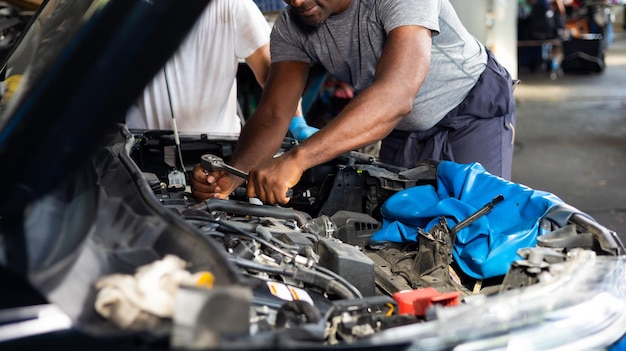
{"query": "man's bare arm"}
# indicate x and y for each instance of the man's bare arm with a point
(374, 113)
(265, 130)
(367, 118)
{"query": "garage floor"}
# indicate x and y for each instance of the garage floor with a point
(571, 137)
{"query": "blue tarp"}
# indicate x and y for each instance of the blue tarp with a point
(488, 246)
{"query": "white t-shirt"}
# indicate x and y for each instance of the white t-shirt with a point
(201, 76)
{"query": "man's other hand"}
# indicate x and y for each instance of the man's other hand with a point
(214, 184)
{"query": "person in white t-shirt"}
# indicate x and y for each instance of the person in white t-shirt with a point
(199, 82)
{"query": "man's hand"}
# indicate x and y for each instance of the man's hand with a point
(214, 184)
(271, 180)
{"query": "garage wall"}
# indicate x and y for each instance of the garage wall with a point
(618, 14)
(494, 23)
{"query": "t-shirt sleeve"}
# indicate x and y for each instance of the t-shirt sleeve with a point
(398, 13)
(253, 31)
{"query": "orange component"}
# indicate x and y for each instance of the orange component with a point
(205, 279)
(416, 302)
(577, 27)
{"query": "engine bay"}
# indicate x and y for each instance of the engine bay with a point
(313, 274)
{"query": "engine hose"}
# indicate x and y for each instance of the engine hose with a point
(255, 237)
(245, 208)
(242, 229)
(325, 282)
(341, 279)
(291, 311)
(320, 276)
(307, 276)
(249, 228)
(261, 267)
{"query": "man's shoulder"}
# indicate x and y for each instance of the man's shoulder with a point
(289, 19)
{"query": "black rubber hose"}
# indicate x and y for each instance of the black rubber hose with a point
(327, 283)
(245, 208)
(291, 311)
(323, 277)
(311, 277)
(261, 267)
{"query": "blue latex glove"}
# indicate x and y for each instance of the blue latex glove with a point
(300, 129)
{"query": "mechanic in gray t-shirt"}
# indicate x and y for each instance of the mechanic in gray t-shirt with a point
(424, 85)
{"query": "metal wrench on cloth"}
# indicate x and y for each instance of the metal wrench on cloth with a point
(211, 163)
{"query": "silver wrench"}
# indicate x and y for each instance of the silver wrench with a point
(211, 163)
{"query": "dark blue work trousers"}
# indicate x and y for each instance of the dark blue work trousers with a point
(480, 129)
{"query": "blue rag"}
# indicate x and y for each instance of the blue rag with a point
(488, 246)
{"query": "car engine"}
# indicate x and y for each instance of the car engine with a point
(313, 274)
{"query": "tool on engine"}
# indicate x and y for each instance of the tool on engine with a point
(429, 265)
(211, 163)
(472, 218)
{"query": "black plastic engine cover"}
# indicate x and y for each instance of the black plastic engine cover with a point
(349, 262)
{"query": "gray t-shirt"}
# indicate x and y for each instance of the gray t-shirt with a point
(350, 44)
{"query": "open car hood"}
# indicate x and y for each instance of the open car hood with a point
(79, 66)
(122, 258)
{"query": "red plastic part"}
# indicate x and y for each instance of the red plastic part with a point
(416, 302)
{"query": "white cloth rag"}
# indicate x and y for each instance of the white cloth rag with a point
(138, 301)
